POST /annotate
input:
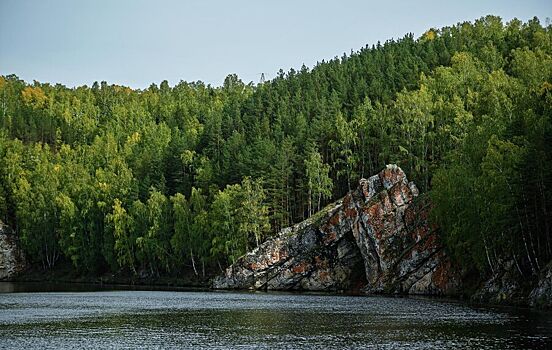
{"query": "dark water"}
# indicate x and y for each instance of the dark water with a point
(218, 320)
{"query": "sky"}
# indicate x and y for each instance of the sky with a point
(136, 43)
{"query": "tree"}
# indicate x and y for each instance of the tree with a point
(182, 218)
(122, 225)
(319, 183)
(199, 230)
(344, 146)
(280, 185)
(253, 214)
(154, 244)
(228, 242)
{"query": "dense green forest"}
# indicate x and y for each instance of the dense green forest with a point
(172, 178)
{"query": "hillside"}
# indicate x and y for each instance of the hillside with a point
(190, 177)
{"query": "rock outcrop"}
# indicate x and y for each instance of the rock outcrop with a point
(376, 238)
(504, 286)
(12, 260)
(541, 295)
(508, 286)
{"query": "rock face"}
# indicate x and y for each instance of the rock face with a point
(12, 260)
(503, 287)
(541, 295)
(376, 238)
(509, 287)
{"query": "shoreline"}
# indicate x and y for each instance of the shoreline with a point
(27, 282)
(66, 274)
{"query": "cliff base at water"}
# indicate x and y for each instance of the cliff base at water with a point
(377, 239)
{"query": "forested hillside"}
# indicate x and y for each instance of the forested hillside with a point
(156, 180)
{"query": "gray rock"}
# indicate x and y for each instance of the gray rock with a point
(12, 260)
(541, 295)
(503, 287)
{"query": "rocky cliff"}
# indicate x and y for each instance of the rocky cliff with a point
(12, 260)
(377, 238)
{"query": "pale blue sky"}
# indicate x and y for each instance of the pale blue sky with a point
(138, 42)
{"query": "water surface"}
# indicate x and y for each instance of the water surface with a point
(223, 320)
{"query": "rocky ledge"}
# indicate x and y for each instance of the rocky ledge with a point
(12, 260)
(376, 239)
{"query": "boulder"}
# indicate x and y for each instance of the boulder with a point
(376, 238)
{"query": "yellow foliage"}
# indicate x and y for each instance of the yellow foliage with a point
(430, 35)
(122, 89)
(34, 97)
(135, 137)
(2, 82)
(131, 141)
(545, 87)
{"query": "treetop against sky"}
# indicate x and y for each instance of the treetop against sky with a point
(136, 43)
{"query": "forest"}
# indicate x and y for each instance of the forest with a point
(173, 178)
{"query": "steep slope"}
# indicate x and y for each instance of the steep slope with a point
(377, 237)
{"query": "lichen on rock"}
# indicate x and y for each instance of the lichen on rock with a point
(377, 237)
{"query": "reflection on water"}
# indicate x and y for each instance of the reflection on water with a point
(169, 319)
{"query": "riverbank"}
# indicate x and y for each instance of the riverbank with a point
(495, 292)
(64, 273)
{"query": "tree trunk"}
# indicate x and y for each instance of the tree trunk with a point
(487, 253)
(310, 202)
(319, 200)
(193, 262)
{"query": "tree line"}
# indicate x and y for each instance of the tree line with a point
(192, 176)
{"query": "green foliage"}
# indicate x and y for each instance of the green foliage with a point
(239, 219)
(182, 219)
(227, 239)
(121, 225)
(252, 213)
(319, 183)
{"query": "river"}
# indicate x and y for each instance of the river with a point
(62, 317)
